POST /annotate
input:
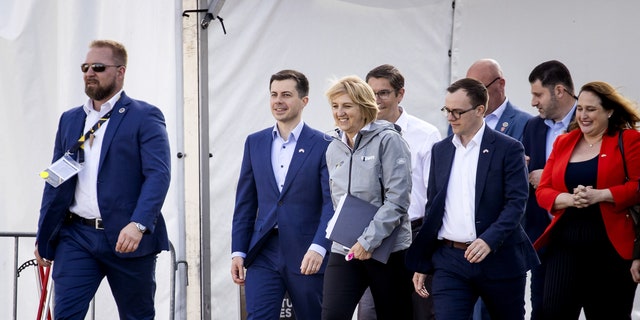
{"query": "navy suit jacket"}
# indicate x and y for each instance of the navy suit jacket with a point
(301, 211)
(501, 195)
(133, 176)
(511, 122)
(534, 141)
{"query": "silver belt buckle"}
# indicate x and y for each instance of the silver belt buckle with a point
(99, 225)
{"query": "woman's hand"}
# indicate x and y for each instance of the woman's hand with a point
(584, 196)
(359, 252)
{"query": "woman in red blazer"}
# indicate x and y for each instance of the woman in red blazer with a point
(589, 242)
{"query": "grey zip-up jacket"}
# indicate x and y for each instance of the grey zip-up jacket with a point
(380, 164)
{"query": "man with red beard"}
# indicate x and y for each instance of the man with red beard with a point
(105, 221)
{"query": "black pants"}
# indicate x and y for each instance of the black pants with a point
(345, 282)
(584, 271)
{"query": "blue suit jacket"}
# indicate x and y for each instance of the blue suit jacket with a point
(511, 123)
(501, 195)
(534, 141)
(133, 176)
(301, 211)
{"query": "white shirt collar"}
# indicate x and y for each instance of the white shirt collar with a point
(106, 107)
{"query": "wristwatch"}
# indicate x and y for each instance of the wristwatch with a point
(141, 228)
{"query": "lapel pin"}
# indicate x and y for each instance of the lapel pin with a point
(603, 155)
(301, 150)
(121, 110)
(485, 151)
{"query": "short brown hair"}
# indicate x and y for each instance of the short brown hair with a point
(475, 90)
(117, 48)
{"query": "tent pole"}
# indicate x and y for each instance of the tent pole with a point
(196, 163)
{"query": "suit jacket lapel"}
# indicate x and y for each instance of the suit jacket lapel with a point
(504, 123)
(300, 154)
(117, 114)
(76, 128)
(447, 162)
(263, 151)
(484, 160)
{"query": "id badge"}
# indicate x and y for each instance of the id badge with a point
(61, 170)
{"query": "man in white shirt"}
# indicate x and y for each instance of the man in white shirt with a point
(471, 240)
(388, 85)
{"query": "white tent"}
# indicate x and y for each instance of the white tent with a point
(432, 42)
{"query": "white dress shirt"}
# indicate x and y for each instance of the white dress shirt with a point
(85, 203)
(420, 135)
(458, 223)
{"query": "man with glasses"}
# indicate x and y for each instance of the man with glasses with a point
(106, 220)
(552, 94)
(501, 115)
(471, 240)
(388, 85)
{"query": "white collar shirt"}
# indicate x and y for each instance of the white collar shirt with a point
(85, 203)
(282, 152)
(420, 137)
(458, 223)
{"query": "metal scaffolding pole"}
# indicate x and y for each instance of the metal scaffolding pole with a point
(196, 158)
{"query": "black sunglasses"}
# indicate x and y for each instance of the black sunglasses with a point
(97, 67)
(490, 83)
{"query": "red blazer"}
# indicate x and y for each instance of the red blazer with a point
(617, 221)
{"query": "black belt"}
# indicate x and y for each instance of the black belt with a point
(455, 244)
(417, 223)
(95, 223)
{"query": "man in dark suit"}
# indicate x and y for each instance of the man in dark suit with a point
(552, 94)
(501, 114)
(106, 220)
(471, 240)
(283, 204)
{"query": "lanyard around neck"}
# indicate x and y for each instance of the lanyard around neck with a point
(80, 143)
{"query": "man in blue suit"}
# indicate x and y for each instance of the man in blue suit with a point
(552, 95)
(106, 220)
(500, 115)
(471, 240)
(283, 204)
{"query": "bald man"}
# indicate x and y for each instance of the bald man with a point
(501, 115)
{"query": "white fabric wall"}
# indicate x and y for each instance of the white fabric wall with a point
(325, 39)
(43, 42)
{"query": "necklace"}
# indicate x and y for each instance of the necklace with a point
(591, 144)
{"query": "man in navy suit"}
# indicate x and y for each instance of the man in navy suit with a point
(283, 204)
(471, 240)
(106, 220)
(501, 115)
(552, 94)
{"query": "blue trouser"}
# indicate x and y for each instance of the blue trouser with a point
(457, 284)
(268, 278)
(83, 258)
